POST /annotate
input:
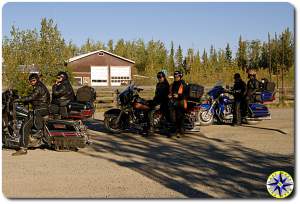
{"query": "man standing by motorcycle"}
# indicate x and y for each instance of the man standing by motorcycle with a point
(239, 90)
(178, 102)
(161, 98)
(40, 99)
(252, 87)
(62, 95)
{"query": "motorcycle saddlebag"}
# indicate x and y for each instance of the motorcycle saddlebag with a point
(65, 135)
(78, 106)
(259, 110)
(264, 96)
(195, 91)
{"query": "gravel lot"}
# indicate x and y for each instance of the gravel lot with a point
(219, 162)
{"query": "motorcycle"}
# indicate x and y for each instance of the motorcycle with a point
(219, 107)
(133, 113)
(55, 134)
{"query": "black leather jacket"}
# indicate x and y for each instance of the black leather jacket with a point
(239, 89)
(39, 98)
(252, 87)
(161, 93)
(175, 89)
(63, 93)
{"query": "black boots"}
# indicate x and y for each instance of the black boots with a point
(21, 151)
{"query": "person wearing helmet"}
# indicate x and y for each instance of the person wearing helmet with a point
(40, 99)
(161, 98)
(252, 87)
(178, 102)
(62, 95)
(239, 91)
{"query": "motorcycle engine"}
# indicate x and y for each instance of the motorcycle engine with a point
(228, 112)
(138, 116)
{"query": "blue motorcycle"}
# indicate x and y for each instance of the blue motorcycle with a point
(219, 107)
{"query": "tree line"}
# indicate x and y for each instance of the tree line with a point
(47, 49)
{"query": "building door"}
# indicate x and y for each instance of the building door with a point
(119, 75)
(99, 75)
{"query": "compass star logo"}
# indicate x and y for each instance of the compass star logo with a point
(280, 184)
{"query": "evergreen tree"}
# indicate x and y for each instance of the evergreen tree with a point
(213, 58)
(189, 60)
(286, 51)
(228, 53)
(110, 46)
(204, 58)
(120, 48)
(171, 63)
(141, 57)
(196, 66)
(241, 55)
(264, 58)
(179, 59)
(254, 50)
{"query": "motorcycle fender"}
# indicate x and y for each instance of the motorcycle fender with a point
(205, 106)
(114, 111)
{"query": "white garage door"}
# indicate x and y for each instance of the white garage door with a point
(119, 74)
(99, 75)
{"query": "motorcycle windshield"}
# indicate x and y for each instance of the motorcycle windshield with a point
(126, 95)
(216, 90)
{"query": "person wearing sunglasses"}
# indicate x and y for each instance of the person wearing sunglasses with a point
(239, 91)
(40, 99)
(161, 98)
(178, 102)
(62, 95)
(252, 87)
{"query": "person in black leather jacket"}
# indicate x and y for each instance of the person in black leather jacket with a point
(178, 102)
(62, 95)
(40, 99)
(252, 87)
(161, 98)
(239, 91)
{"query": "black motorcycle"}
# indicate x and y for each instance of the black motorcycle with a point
(134, 111)
(55, 134)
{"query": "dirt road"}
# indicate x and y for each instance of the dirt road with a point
(219, 162)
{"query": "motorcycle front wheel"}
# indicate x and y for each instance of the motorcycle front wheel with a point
(111, 124)
(205, 118)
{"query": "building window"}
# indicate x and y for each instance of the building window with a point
(100, 53)
(99, 81)
(78, 81)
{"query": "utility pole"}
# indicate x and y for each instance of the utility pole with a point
(282, 70)
(276, 60)
(270, 66)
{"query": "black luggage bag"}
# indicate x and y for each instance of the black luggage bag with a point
(195, 91)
